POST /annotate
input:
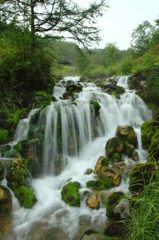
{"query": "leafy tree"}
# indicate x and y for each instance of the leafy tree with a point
(112, 54)
(141, 38)
(55, 18)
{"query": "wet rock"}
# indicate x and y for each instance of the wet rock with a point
(107, 172)
(17, 173)
(116, 229)
(122, 209)
(135, 156)
(89, 171)
(70, 194)
(127, 133)
(128, 149)
(113, 210)
(5, 200)
(59, 163)
(114, 145)
(102, 161)
(93, 201)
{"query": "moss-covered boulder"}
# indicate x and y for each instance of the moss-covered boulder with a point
(25, 196)
(141, 175)
(114, 145)
(102, 161)
(112, 201)
(5, 200)
(93, 201)
(127, 133)
(70, 194)
(17, 173)
(107, 172)
(128, 149)
(1, 171)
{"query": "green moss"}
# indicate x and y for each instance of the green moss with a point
(148, 129)
(96, 107)
(25, 196)
(3, 135)
(112, 201)
(115, 94)
(113, 146)
(99, 185)
(104, 162)
(19, 147)
(90, 184)
(116, 156)
(108, 182)
(1, 171)
(120, 89)
(140, 176)
(70, 194)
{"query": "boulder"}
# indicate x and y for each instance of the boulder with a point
(93, 201)
(113, 210)
(25, 196)
(59, 163)
(5, 200)
(127, 133)
(116, 229)
(114, 145)
(17, 173)
(122, 209)
(102, 161)
(106, 173)
(70, 194)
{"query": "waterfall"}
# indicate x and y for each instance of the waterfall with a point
(71, 129)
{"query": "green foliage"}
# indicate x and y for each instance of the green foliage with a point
(25, 196)
(143, 220)
(96, 107)
(3, 135)
(19, 147)
(94, 71)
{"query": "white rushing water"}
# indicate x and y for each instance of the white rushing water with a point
(129, 110)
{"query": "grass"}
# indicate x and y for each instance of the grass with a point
(143, 223)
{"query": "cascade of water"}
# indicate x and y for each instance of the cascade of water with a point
(73, 130)
(21, 132)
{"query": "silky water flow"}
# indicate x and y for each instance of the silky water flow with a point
(80, 154)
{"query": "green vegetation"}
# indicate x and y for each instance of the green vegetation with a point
(143, 222)
(70, 194)
(25, 196)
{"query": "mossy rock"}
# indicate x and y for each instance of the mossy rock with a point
(120, 89)
(112, 202)
(116, 157)
(128, 149)
(115, 94)
(19, 147)
(99, 185)
(70, 194)
(90, 184)
(102, 161)
(141, 175)
(5, 200)
(17, 173)
(1, 171)
(108, 182)
(114, 145)
(96, 106)
(126, 133)
(3, 136)
(25, 196)
(153, 150)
